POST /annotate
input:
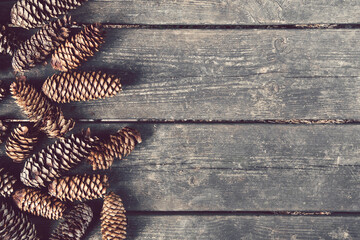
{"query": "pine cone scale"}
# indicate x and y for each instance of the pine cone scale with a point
(75, 223)
(57, 158)
(47, 117)
(38, 203)
(78, 49)
(113, 218)
(86, 187)
(21, 143)
(41, 44)
(118, 145)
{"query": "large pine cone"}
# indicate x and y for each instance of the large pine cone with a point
(3, 130)
(52, 161)
(7, 183)
(31, 13)
(39, 109)
(14, 225)
(80, 86)
(113, 218)
(78, 49)
(38, 203)
(21, 143)
(75, 223)
(85, 187)
(41, 44)
(8, 40)
(118, 145)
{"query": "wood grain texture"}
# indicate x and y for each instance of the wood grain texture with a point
(231, 167)
(238, 227)
(206, 12)
(222, 75)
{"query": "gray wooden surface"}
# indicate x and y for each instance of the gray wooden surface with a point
(203, 171)
(223, 75)
(214, 12)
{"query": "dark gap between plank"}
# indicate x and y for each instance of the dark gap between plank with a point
(244, 213)
(275, 26)
(199, 121)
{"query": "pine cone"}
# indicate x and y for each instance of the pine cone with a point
(80, 86)
(54, 160)
(85, 187)
(113, 219)
(75, 223)
(2, 90)
(3, 129)
(8, 40)
(39, 109)
(14, 225)
(116, 146)
(41, 44)
(7, 183)
(76, 50)
(31, 13)
(21, 143)
(38, 203)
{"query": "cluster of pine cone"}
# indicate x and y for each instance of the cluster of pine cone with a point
(42, 189)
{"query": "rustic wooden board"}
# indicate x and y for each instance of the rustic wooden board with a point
(206, 12)
(238, 227)
(232, 167)
(222, 75)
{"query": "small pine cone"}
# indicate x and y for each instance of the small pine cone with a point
(113, 219)
(39, 109)
(7, 183)
(3, 129)
(80, 86)
(79, 187)
(15, 225)
(118, 145)
(21, 143)
(41, 44)
(38, 203)
(52, 161)
(8, 41)
(77, 49)
(75, 223)
(2, 90)
(32, 13)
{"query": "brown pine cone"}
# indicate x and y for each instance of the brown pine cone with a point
(38, 203)
(3, 130)
(7, 183)
(75, 223)
(32, 13)
(78, 49)
(54, 160)
(15, 225)
(39, 109)
(79, 187)
(80, 86)
(41, 44)
(8, 40)
(21, 143)
(118, 145)
(113, 219)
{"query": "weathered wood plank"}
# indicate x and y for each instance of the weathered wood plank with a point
(228, 167)
(223, 75)
(238, 227)
(207, 12)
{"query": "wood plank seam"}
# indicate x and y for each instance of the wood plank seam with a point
(214, 26)
(162, 121)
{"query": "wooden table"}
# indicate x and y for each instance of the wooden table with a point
(212, 85)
